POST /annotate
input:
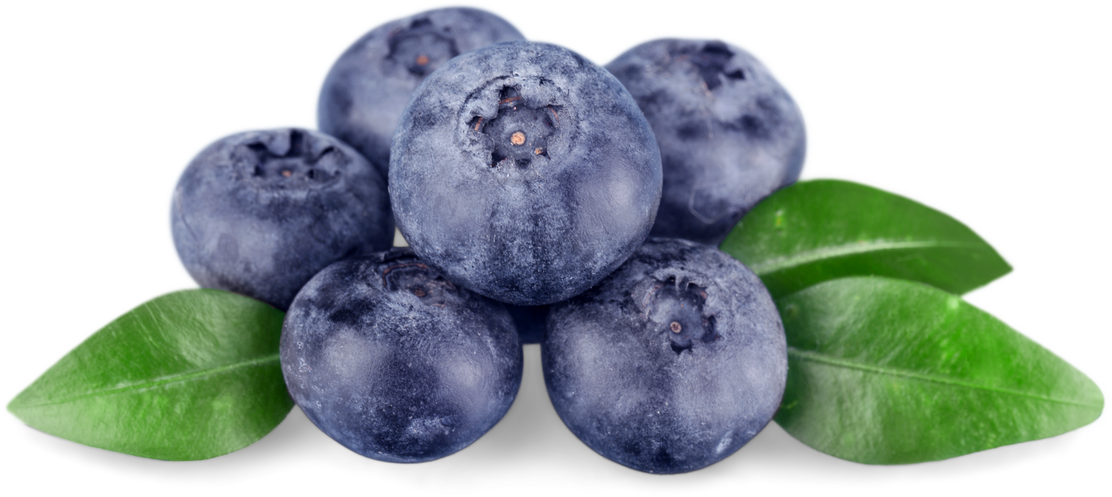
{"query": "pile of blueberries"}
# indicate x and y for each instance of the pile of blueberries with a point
(544, 199)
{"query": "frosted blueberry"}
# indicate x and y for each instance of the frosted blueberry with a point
(671, 363)
(729, 134)
(396, 363)
(368, 87)
(259, 213)
(524, 172)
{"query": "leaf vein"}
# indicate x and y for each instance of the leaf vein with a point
(805, 355)
(164, 380)
(862, 247)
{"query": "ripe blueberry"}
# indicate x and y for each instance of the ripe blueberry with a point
(524, 172)
(259, 213)
(729, 134)
(396, 363)
(671, 363)
(368, 87)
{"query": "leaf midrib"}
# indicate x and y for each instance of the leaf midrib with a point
(854, 248)
(163, 380)
(806, 355)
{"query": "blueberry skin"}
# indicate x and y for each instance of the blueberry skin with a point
(672, 363)
(366, 90)
(524, 172)
(259, 213)
(729, 134)
(396, 363)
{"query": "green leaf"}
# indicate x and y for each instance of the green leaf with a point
(884, 371)
(189, 375)
(820, 230)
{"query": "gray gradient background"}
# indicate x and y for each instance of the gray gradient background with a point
(884, 87)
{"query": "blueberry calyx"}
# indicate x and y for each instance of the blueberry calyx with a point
(421, 47)
(519, 132)
(676, 306)
(711, 62)
(296, 162)
(418, 279)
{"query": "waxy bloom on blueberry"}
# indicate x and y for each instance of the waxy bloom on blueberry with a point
(671, 363)
(729, 134)
(368, 87)
(259, 213)
(524, 172)
(396, 363)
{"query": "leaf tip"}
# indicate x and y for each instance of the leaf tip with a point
(3, 408)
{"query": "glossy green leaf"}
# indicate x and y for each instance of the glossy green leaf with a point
(820, 230)
(884, 371)
(189, 375)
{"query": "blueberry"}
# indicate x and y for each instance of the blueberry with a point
(671, 363)
(368, 87)
(259, 213)
(729, 134)
(396, 363)
(524, 172)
